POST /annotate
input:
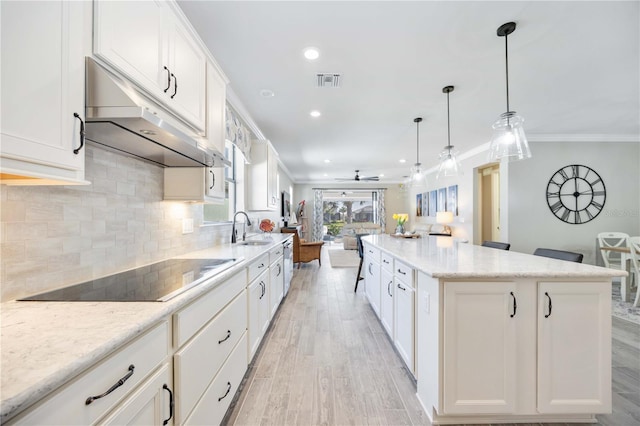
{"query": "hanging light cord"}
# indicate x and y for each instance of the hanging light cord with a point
(506, 57)
(417, 142)
(448, 126)
(417, 121)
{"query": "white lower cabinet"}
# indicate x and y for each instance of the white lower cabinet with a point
(479, 348)
(574, 348)
(105, 386)
(259, 311)
(151, 404)
(404, 313)
(276, 284)
(212, 340)
(215, 401)
(198, 362)
(497, 335)
(372, 281)
(386, 302)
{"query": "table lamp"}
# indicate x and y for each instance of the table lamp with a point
(444, 218)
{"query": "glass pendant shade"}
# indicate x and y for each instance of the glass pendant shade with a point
(418, 176)
(449, 164)
(509, 143)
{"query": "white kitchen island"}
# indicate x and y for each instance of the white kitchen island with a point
(494, 336)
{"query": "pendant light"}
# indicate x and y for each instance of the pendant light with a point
(418, 176)
(449, 164)
(508, 142)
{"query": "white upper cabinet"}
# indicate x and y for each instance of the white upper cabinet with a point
(149, 43)
(263, 177)
(42, 91)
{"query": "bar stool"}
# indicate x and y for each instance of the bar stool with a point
(361, 254)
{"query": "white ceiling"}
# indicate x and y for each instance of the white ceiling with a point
(573, 75)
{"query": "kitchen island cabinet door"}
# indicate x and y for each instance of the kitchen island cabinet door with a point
(386, 302)
(372, 283)
(479, 354)
(574, 347)
(42, 90)
(404, 336)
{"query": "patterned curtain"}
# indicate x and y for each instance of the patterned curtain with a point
(381, 211)
(317, 215)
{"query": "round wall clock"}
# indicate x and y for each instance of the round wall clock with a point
(576, 194)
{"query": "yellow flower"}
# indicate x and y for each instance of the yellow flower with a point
(400, 218)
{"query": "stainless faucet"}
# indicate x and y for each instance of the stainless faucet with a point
(233, 227)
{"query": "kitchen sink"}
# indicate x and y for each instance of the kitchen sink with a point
(255, 243)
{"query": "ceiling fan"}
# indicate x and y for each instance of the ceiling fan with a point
(359, 178)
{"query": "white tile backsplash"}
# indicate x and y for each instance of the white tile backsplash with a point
(54, 236)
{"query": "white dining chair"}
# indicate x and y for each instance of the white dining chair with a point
(612, 259)
(634, 246)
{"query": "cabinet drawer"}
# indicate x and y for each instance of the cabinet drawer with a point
(148, 405)
(189, 320)
(214, 403)
(403, 272)
(200, 360)
(372, 252)
(275, 254)
(386, 261)
(258, 266)
(67, 406)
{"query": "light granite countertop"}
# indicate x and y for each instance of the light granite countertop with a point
(446, 257)
(46, 344)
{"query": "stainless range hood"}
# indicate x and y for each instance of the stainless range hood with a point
(121, 118)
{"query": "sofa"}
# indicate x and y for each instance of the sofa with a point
(350, 230)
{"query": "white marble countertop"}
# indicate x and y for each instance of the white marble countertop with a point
(46, 344)
(446, 257)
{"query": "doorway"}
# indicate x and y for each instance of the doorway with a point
(487, 204)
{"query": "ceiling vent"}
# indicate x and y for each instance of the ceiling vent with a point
(328, 80)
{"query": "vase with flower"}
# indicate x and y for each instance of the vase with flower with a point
(401, 219)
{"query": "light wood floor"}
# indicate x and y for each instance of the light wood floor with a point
(327, 361)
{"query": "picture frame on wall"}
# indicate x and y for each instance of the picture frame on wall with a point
(425, 204)
(452, 199)
(419, 204)
(442, 200)
(433, 204)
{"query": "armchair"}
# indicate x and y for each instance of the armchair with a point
(304, 251)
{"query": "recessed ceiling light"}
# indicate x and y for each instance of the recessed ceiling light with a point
(327, 161)
(403, 160)
(315, 113)
(381, 175)
(311, 53)
(266, 93)
(325, 175)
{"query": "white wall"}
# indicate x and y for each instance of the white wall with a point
(531, 223)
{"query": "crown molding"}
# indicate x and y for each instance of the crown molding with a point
(583, 138)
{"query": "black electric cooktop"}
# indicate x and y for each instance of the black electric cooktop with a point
(157, 282)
